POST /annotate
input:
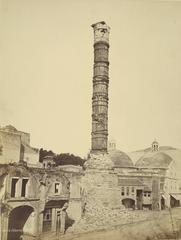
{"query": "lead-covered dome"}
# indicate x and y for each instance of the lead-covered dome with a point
(120, 159)
(154, 160)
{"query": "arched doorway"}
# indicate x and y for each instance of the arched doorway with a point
(19, 217)
(128, 203)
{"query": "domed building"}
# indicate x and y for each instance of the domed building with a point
(119, 159)
(165, 162)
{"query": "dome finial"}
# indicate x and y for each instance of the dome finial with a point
(155, 145)
(111, 144)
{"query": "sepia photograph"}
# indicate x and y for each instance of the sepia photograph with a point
(90, 120)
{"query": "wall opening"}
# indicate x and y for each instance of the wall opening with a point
(162, 203)
(13, 186)
(47, 220)
(139, 197)
(128, 203)
(174, 202)
(17, 220)
(57, 187)
(24, 186)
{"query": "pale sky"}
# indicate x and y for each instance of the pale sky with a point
(47, 67)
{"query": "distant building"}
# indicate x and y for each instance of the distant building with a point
(48, 162)
(157, 160)
(15, 147)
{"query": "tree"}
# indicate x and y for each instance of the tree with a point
(43, 153)
(68, 159)
(62, 158)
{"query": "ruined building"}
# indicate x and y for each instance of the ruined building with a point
(36, 198)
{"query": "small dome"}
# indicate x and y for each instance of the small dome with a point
(155, 146)
(155, 142)
(120, 159)
(154, 160)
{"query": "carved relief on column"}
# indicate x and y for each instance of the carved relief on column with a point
(100, 88)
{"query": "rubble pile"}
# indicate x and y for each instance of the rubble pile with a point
(108, 218)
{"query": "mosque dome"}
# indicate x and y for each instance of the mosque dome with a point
(120, 159)
(154, 160)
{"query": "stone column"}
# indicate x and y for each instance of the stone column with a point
(156, 199)
(36, 222)
(62, 222)
(40, 216)
(54, 213)
(4, 232)
(100, 88)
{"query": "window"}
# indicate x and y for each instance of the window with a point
(13, 186)
(127, 190)
(57, 188)
(49, 165)
(23, 189)
(149, 194)
(122, 191)
(132, 189)
(161, 186)
(1, 150)
(145, 194)
(47, 214)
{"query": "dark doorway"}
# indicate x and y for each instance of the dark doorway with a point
(24, 185)
(17, 219)
(128, 203)
(139, 197)
(13, 186)
(162, 203)
(174, 202)
(47, 220)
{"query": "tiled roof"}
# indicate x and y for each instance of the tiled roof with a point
(129, 182)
